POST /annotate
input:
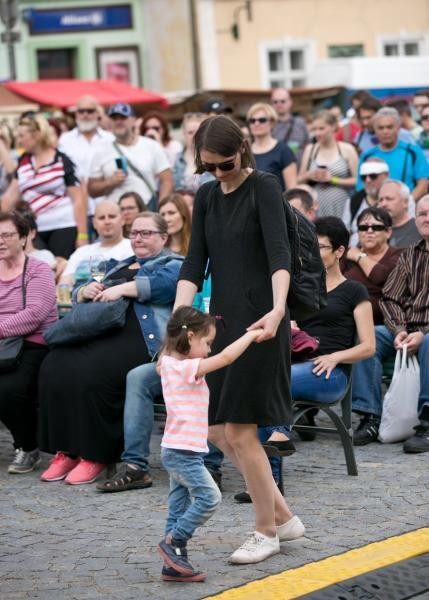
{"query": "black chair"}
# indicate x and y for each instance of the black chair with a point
(343, 423)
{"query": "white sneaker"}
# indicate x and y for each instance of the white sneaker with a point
(257, 547)
(291, 530)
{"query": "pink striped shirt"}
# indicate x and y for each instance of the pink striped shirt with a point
(187, 402)
(40, 303)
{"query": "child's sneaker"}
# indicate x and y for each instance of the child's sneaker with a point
(176, 556)
(169, 574)
(256, 548)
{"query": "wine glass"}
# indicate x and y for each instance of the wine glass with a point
(97, 267)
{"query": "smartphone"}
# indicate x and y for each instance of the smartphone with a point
(121, 163)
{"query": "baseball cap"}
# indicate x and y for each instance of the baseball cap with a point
(216, 105)
(124, 110)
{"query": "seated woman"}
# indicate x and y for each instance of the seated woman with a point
(174, 209)
(348, 315)
(130, 205)
(372, 262)
(23, 277)
(82, 387)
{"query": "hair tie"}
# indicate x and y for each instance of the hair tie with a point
(184, 327)
(218, 318)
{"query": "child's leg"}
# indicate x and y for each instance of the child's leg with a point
(178, 502)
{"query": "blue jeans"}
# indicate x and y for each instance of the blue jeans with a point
(367, 374)
(143, 388)
(307, 386)
(193, 496)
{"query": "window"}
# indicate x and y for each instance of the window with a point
(286, 66)
(404, 47)
(56, 64)
(345, 51)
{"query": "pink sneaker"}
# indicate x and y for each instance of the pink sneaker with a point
(86, 471)
(59, 466)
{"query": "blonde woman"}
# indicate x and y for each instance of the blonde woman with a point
(47, 180)
(270, 155)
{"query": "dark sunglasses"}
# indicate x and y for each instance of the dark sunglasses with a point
(425, 117)
(260, 120)
(374, 227)
(89, 111)
(228, 165)
(372, 176)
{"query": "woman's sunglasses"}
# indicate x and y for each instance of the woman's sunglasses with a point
(228, 165)
(374, 227)
(261, 120)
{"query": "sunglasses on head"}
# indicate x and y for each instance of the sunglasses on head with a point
(254, 120)
(89, 111)
(228, 165)
(374, 227)
(372, 176)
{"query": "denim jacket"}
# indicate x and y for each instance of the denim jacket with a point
(156, 281)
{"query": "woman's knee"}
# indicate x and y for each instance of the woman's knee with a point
(241, 435)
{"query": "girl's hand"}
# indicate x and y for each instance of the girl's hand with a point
(268, 324)
(109, 294)
(324, 363)
(91, 290)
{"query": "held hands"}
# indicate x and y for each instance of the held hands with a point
(353, 254)
(412, 340)
(324, 363)
(109, 294)
(90, 291)
(267, 325)
(320, 175)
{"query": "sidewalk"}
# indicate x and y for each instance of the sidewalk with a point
(72, 542)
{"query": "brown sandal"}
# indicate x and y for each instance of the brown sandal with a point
(126, 478)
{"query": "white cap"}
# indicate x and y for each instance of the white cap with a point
(376, 167)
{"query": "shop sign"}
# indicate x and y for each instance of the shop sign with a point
(79, 19)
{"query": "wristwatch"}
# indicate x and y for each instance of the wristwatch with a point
(361, 255)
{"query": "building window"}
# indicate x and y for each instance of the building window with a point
(286, 66)
(56, 64)
(345, 51)
(401, 48)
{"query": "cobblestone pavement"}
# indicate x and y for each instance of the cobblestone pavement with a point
(72, 542)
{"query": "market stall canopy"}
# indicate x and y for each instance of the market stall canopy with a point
(12, 104)
(64, 93)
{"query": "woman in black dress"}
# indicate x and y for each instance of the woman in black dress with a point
(239, 227)
(82, 387)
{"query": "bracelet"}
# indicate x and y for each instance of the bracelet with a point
(335, 180)
(82, 236)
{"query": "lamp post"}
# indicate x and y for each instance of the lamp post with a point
(9, 17)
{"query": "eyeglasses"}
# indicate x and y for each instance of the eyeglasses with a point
(155, 127)
(228, 165)
(425, 117)
(373, 226)
(8, 235)
(127, 208)
(254, 120)
(372, 176)
(143, 233)
(324, 247)
(89, 111)
(279, 101)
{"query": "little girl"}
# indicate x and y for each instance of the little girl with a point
(194, 495)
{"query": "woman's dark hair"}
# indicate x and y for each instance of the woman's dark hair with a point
(165, 133)
(221, 135)
(183, 320)
(379, 214)
(20, 222)
(334, 229)
(181, 205)
(139, 200)
(24, 209)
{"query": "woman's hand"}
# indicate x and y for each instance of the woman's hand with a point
(90, 291)
(269, 325)
(109, 294)
(323, 363)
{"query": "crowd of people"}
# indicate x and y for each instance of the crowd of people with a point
(128, 215)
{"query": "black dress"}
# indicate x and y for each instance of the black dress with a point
(245, 239)
(82, 391)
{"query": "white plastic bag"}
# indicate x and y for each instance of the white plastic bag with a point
(400, 402)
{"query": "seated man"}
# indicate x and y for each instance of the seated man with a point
(108, 223)
(405, 307)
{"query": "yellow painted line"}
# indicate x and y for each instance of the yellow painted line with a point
(329, 571)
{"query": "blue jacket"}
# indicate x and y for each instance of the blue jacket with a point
(156, 281)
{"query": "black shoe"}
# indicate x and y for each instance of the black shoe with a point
(279, 448)
(367, 430)
(420, 440)
(244, 497)
(175, 556)
(169, 574)
(307, 419)
(217, 476)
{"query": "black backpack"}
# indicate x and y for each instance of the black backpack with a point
(307, 291)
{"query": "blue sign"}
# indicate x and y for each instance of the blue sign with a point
(79, 19)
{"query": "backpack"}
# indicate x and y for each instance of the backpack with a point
(307, 290)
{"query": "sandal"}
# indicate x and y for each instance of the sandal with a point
(126, 478)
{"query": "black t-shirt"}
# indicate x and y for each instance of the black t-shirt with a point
(335, 325)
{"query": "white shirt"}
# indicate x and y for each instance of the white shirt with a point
(146, 155)
(78, 263)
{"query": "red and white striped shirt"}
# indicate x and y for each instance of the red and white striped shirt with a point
(45, 190)
(187, 402)
(40, 303)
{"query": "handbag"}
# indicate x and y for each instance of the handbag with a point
(303, 345)
(399, 415)
(86, 321)
(11, 348)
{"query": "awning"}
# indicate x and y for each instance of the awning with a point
(12, 103)
(64, 93)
